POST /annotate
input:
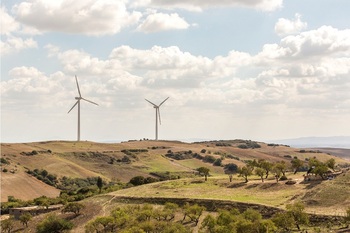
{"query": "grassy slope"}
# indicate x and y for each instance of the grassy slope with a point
(76, 159)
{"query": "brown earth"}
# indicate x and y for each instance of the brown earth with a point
(90, 159)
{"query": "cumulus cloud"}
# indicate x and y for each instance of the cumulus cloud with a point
(314, 44)
(161, 22)
(8, 23)
(90, 17)
(286, 26)
(199, 5)
(14, 44)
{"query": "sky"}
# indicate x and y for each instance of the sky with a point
(232, 69)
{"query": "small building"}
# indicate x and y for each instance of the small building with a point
(33, 210)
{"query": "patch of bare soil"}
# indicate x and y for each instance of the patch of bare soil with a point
(24, 186)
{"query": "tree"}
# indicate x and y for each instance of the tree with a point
(296, 210)
(260, 172)
(245, 172)
(7, 225)
(73, 207)
(53, 224)
(25, 218)
(204, 171)
(99, 183)
(331, 163)
(230, 169)
(193, 212)
(266, 165)
(281, 166)
(296, 164)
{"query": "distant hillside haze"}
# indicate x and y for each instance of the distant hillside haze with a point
(308, 142)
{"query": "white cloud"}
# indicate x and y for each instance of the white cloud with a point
(161, 22)
(315, 44)
(14, 44)
(199, 5)
(286, 26)
(90, 17)
(8, 23)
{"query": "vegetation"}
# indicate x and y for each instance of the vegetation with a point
(73, 207)
(294, 216)
(245, 172)
(204, 171)
(7, 225)
(144, 218)
(25, 218)
(53, 224)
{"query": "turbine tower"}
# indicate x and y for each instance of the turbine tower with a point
(78, 103)
(157, 114)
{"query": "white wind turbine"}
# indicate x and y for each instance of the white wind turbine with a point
(157, 114)
(78, 103)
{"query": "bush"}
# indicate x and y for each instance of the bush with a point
(242, 146)
(5, 170)
(53, 223)
(137, 180)
(203, 151)
(4, 161)
(217, 162)
(209, 159)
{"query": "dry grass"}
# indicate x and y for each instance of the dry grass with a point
(67, 159)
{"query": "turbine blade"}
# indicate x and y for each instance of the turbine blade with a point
(163, 101)
(151, 103)
(76, 80)
(73, 106)
(160, 122)
(89, 101)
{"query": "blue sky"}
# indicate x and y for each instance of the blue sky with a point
(255, 69)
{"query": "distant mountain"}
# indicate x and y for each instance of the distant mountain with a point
(310, 142)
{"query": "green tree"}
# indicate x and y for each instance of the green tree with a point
(7, 225)
(281, 166)
(230, 169)
(260, 172)
(99, 183)
(193, 212)
(204, 171)
(331, 163)
(296, 164)
(266, 165)
(53, 224)
(245, 172)
(25, 218)
(283, 220)
(298, 213)
(73, 207)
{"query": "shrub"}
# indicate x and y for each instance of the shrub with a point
(203, 151)
(53, 223)
(209, 159)
(217, 162)
(4, 161)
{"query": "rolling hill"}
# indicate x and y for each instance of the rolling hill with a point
(122, 161)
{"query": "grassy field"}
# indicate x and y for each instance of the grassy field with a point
(317, 196)
(90, 159)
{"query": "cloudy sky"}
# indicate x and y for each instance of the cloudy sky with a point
(250, 69)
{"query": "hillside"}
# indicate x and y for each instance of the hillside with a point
(122, 161)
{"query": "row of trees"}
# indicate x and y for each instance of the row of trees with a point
(264, 168)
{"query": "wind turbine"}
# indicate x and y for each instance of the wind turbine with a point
(157, 114)
(78, 103)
